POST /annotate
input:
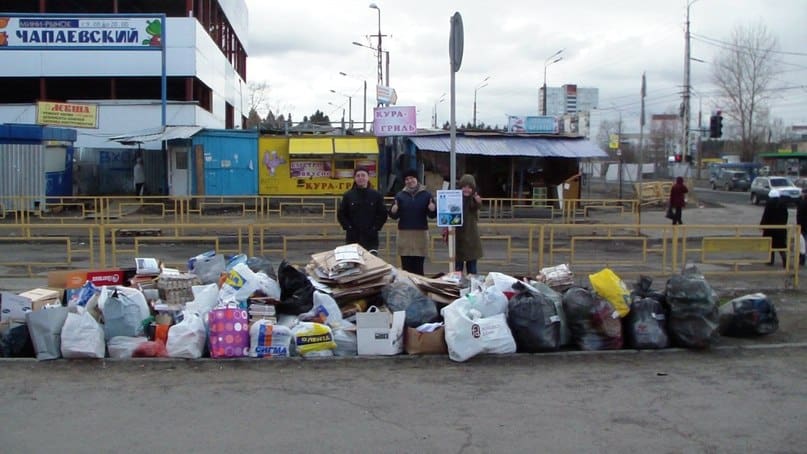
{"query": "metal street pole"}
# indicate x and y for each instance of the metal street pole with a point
(482, 84)
(547, 62)
(379, 49)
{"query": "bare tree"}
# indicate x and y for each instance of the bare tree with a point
(743, 72)
(258, 92)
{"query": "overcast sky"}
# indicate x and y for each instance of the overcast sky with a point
(299, 48)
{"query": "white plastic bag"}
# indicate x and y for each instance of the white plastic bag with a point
(468, 333)
(240, 284)
(121, 347)
(205, 298)
(325, 311)
(187, 338)
(267, 340)
(82, 336)
(268, 286)
(802, 245)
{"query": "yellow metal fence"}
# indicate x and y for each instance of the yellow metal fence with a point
(520, 249)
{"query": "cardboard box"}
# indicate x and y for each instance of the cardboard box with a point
(76, 278)
(13, 307)
(433, 343)
(380, 333)
(40, 297)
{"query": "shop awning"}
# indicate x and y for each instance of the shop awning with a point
(358, 145)
(311, 146)
(157, 134)
(512, 146)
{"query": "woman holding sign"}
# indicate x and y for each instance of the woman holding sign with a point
(469, 244)
(412, 207)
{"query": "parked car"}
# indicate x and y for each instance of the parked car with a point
(761, 186)
(732, 180)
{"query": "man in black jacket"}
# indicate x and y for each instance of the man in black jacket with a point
(362, 212)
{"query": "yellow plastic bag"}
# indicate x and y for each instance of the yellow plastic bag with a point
(312, 337)
(608, 285)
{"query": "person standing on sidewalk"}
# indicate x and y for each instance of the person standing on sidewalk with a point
(469, 243)
(775, 213)
(412, 207)
(362, 213)
(801, 220)
(678, 200)
(139, 176)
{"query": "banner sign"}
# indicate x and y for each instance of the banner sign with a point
(309, 169)
(65, 114)
(395, 121)
(80, 32)
(542, 124)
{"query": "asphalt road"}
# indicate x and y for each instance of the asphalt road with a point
(723, 401)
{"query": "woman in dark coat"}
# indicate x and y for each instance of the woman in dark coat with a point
(469, 244)
(362, 213)
(678, 199)
(775, 214)
(412, 207)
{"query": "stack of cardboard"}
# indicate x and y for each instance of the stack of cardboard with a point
(350, 272)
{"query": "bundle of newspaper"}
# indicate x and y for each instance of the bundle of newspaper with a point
(558, 277)
(350, 272)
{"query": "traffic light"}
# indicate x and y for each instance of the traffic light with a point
(719, 125)
(716, 126)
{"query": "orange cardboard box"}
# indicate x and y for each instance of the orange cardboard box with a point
(76, 278)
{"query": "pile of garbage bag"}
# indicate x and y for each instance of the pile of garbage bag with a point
(348, 302)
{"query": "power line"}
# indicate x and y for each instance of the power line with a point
(739, 46)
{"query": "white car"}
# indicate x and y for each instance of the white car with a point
(761, 186)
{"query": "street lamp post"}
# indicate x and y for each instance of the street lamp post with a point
(380, 81)
(484, 83)
(434, 116)
(343, 112)
(364, 110)
(349, 107)
(554, 58)
(379, 49)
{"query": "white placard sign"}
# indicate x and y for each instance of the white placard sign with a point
(449, 208)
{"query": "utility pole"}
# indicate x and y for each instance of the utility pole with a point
(685, 114)
(619, 154)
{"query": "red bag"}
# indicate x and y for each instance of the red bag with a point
(229, 332)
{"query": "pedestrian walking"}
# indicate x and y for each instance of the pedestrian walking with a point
(677, 200)
(361, 212)
(412, 207)
(139, 176)
(801, 220)
(775, 213)
(468, 241)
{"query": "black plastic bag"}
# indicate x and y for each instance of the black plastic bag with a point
(593, 321)
(400, 296)
(534, 321)
(748, 316)
(693, 317)
(15, 342)
(642, 289)
(645, 326)
(296, 291)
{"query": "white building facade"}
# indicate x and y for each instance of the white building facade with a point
(47, 58)
(568, 99)
(146, 68)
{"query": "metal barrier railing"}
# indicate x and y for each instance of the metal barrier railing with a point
(287, 209)
(515, 248)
